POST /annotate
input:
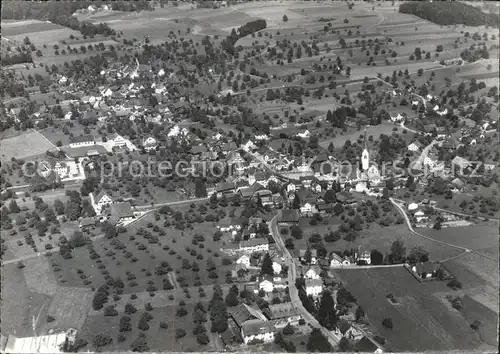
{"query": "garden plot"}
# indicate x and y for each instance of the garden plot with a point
(39, 276)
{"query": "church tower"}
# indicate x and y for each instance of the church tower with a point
(365, 157)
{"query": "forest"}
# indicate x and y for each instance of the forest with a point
(450, 13)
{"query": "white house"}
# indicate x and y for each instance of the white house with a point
(397, 117)
(308, 209)
(149, 144)
(257, 330)
(312, 273)
(277, 268)
(304, 135)
(161, 72)
(365, 256)
(443, 112)
(266, 285)
(100, 201)
(436, 108)
(254, 245)
(249, 146)
(119, 141)
(414, 146)
(314, 287)
(244, 259)
(80, 141)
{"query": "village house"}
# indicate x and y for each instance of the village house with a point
(150, 144)
(414, 146)
(337, 261)
(277, 268)
(313, 287)
(121, 213)
(101, 200)
(425, 270)
(225, 189)
(254, 245)
(308, 209)
(118, 142)
(312, 272)
(257, 330)
(244, 259)
(364, 257)
(283, 314)
(82, 140)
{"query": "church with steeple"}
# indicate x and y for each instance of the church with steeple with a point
(366, 173)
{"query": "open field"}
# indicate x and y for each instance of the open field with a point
(18, 148)
(418, 313)
(481, 238)
(19, 304)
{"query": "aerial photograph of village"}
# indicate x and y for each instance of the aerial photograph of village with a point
(249, 176)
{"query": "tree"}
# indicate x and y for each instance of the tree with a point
(327, 315)
(267, 265)
(232, 299)
(398, 252)
(344, 344)
(101, 340)
(317, 342)
(418, 254)
(179, 333)
(296, 232)
(387, 322)
(359, 313)
(13, 207)
(376, 257)
(285, 18)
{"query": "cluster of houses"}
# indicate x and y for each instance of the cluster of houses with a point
(107, 209)
(248, 324)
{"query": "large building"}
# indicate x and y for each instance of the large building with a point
(257, 330)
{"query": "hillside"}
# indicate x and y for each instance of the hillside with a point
(450, 13)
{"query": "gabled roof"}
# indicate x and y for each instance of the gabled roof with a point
(101, 194)
(225, 186)
(244, 313)
(255, 327)
(313, 282)
(366, 345)
(288, 215)
(81, 139)
(121, 210)
(285, 309)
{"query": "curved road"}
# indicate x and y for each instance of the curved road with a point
(400, 208)
(333, 339)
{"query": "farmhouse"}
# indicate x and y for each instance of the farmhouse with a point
(426, 270)
(100, 201)
(225, 189)
(82, 140)
(364, 257)
(121, 213)
(257, 330)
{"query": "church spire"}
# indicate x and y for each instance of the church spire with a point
(366, 145)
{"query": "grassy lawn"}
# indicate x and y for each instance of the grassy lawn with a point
(17, 147)
(418, 314)
(19, 304)
(482, 238)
